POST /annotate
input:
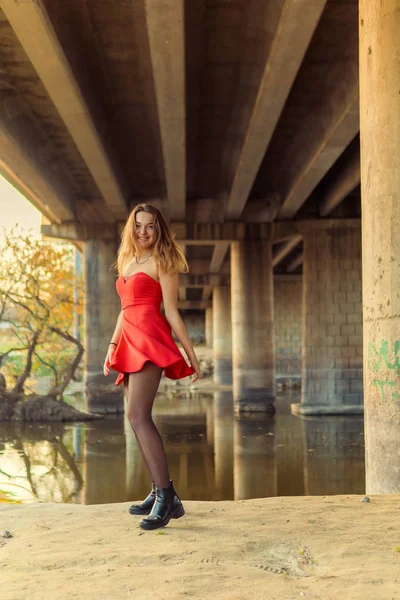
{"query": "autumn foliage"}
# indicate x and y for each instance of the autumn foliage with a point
(39, 296)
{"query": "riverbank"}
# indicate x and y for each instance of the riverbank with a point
(303, 547)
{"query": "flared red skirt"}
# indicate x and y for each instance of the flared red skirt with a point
(147, 337)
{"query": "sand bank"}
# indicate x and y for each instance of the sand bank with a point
(274, 548)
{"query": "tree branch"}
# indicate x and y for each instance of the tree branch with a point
(4, 354)
(47, 364)
(19, 386)
(58, 390)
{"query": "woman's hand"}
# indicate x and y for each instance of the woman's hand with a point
(194, 363)
(107, 362)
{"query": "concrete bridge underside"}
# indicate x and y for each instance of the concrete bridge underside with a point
(240, 119)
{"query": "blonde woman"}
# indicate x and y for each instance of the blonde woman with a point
(149, 261)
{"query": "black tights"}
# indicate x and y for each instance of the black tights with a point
(140, 390)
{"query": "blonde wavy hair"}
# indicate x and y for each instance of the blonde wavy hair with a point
(166, 251)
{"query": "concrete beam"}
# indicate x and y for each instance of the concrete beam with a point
(308, 225)
(207, 291)
(321, 141)
(78, 232)
(194, 304)
(286, 277)
(220, 234)
(295, 29)
(283, 231)
(32, 26)
(296, 262)
(214, 233)
(261, 210)
(285, 250)
(199, 266)
(218, 257)
(189, 280)
(165, 24)
(223, 234)
(18, 168)
(347, 180)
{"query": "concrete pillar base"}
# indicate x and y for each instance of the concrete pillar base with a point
(382, 475)
(300, 409)
(103, 397)
(257, 403)
(223, 371)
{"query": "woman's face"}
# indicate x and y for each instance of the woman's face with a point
(145, 233)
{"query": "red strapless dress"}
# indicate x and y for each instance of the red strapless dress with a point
(146, 334)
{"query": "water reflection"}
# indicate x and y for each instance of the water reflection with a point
(333, 455)
(105, 462)
(255, 464)
(38, 463)
(291, 448)
(223, 445)
(212, 455)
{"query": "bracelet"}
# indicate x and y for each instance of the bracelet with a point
(113, 344)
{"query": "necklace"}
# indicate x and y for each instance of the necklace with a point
(143, 261)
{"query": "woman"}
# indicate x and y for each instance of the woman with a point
(141, 346)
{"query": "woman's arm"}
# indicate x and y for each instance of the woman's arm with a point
(169, 286)
(117, 331)
(111, 348)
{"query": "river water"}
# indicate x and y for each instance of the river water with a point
(212, 455)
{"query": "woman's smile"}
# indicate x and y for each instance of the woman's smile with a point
(144, 229)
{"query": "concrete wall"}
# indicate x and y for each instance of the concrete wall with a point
(332, 373)
(288, 306)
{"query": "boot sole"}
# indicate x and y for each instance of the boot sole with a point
(140, 513)
(176, 514)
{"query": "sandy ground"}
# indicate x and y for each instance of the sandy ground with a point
(274, 548)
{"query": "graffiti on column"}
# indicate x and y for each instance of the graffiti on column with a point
(381, 361)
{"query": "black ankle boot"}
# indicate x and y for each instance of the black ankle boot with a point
(166, 507)
(144, 508)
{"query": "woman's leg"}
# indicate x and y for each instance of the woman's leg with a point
(142, 389)
(126, 391)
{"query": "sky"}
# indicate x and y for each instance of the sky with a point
(16, 209)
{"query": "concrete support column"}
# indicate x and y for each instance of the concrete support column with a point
(253, 350)
(222, 334)
(102, 307)
(380, 192)
(332, 319)
(209, 327)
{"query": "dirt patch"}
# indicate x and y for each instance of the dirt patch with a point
(306, 547)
